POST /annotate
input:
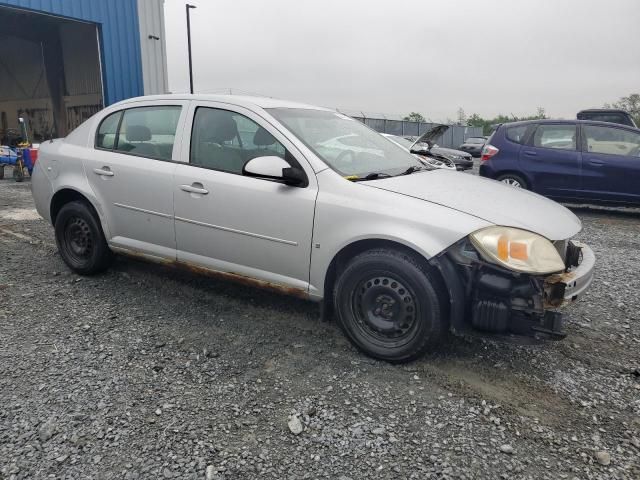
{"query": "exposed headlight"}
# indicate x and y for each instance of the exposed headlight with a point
(518, 250)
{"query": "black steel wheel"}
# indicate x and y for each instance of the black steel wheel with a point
(384, 309)
(387, 305)
(80, 240)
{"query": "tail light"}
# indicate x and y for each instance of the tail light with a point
(488, 151)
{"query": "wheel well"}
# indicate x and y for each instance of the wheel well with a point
(64, 196)
(517, 174)
(342, 258)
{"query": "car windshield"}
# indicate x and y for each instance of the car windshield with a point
(475, 140)
(401, 141)
(345, 144)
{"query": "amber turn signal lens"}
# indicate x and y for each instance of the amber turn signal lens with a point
(518, 250)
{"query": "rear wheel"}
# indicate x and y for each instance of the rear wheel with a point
(387, 305)
(80, 240)
(1, 172)
(513, 180)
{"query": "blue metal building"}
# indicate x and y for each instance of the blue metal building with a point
(63, 60)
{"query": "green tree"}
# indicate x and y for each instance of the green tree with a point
(414, 117)
(487, 124)
(475, 120)
(541, 113)
(462, 117)
(630, 104)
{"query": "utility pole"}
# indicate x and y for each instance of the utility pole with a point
(189, 7)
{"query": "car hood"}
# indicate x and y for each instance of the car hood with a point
(450, 151)
(430, 135)
(488, 200)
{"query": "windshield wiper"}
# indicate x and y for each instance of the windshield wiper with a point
(371, 176)
(413, 169)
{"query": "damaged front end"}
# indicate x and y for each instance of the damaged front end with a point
(491, 298)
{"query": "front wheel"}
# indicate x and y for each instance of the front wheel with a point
(388, 306)
(80, 240)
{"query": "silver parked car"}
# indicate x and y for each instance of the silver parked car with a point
(256, 190)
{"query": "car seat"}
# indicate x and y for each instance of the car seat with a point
(218, 127)
(262, 140)
(138, 136)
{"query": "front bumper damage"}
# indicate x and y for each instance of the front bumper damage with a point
(492, 299)
(564, 288)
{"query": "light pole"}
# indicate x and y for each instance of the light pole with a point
(189, 7)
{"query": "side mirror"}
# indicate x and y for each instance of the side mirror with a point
(274, 168)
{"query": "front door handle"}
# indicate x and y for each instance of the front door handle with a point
(596, 163)
(104, 171)
(195, 187)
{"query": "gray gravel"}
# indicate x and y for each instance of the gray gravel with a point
(147, 372)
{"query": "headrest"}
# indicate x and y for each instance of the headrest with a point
(138, 133)
(263, 138)
(220, 128)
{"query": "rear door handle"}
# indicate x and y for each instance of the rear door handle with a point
(195, 187)
(104, 171)
(596, 163)
(531, 153)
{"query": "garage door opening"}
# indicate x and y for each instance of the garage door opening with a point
(50, 73)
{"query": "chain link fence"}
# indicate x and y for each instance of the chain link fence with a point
(452, 138)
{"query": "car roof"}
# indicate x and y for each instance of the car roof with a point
(604, 110)
(238, 100)
(565, 121)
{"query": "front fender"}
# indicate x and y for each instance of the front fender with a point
(348, 212)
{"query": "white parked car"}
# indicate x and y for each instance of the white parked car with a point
(239, 187)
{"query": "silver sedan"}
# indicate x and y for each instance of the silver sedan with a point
(310, 202)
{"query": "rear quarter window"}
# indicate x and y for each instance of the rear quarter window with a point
(517, 134)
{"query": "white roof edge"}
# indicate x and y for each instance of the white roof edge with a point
(239, 100)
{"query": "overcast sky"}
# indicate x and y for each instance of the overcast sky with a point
(486, 56)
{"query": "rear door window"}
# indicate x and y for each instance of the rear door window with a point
(561, 137)
(611, 141)
(148, 131)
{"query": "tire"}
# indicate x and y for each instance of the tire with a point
(388, 306)
(513, 180)
(80, 239)
(1, 172)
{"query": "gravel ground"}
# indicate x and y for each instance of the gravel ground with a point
(147, 372)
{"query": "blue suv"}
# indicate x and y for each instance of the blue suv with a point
(567, 160)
